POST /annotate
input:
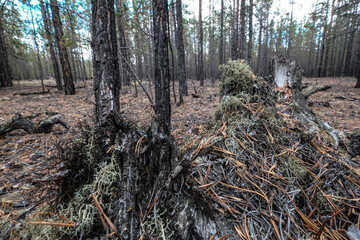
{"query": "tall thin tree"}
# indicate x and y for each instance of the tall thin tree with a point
(5, 73)
(242, 30)
(221, 46)
(290, 31)
(123, 42)
(250, 43)
(105, 62)
(161, 61)
(50, 43)
(180, 50)
(201, 46)
(63, 55)
(34, 33)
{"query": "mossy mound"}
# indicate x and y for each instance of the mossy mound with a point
(237, 77)
(257, 167)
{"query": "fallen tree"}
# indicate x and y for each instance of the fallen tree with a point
(31, 93)
(20, 122)
(267, 169)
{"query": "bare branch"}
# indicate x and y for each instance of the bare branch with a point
(138, 80)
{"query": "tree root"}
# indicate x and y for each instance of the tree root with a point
(19, 122)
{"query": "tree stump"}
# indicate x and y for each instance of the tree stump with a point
(286, 78)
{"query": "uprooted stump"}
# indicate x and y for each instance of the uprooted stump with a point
(273, 167)
(262, 172)
(19, 122)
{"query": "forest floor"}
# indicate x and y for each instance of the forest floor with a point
(28, 163)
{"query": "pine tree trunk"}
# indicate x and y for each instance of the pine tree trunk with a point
(70, 22)
(161, 60)
(259, 66)
(201, 46)
(327, 45)
(5, 72)
(265, 58)
(45, 15)
(347, 69)
(323, 42)
(242, 30)
(250, 44)
(138, 47)
(64, 59)
(37, 51)
(235, 31)
(124, 58)
(180, 50)
(357, 66)
(221, 47)
(105, 64)
(290, 32)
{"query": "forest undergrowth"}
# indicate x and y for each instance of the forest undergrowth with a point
(29, 168)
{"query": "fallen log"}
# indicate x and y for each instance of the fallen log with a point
(20, 122)
(318, 103)
(347, 98)
(309, 91)
(31, 93)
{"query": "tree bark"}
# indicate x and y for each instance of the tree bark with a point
(347, 69)
(259, 66)
(5, 73)
(180, 50)
(221, 47)
(235, 31)
(328, 40)
(45, 15)
(242, 30)
(138, 50)
(161, 60)
(358, 65)
(125, 71)
(201, 46)
(323, 42)
(105, 62)
(37, 50)
(64, 59)
(290, 31)
(250, 44)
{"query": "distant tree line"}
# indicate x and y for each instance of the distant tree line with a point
(325, 43)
